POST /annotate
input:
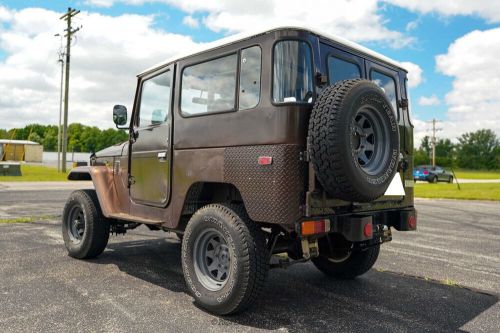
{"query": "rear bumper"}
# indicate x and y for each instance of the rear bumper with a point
(354, 226)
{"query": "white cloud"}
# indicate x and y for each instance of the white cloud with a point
(487, 9)
(412, 25)
(360, 21)
(414, 73)
(100, 3)
(103, 65)
(420, 130)
(429, 101)
(4, 14)
(474, 102)
(190, 21)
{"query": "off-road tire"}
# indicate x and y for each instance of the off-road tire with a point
(358, 263)
(96, 234)
(248, 265)
(336, 140)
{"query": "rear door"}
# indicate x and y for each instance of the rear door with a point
(151, 148)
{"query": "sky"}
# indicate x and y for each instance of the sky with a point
(451, 48)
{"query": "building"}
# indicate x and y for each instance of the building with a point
(20, 150)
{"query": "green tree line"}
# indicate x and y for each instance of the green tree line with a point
(81, 138)
(474, 150)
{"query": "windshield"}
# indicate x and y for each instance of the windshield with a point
(292, 72)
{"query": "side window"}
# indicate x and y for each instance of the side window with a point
(339, 69)
(250, 78)
(209, 86)
(155, 100)
(292, 72)
(388, 85)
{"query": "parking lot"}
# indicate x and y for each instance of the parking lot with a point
(443, 278)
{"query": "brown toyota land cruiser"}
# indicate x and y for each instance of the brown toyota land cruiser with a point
(259, 151)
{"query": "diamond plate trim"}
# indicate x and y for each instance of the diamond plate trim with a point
(271, 193)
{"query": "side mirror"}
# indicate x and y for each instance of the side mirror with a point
(119, 115)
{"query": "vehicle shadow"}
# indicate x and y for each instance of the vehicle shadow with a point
(303, 299)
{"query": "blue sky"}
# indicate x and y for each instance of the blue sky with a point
(420, 31)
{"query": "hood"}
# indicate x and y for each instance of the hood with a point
(116, 150)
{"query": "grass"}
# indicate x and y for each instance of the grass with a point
(35, 173)
(26, 219)
(477, 174)
(469, 191)
(449, 282)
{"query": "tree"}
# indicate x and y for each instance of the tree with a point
(426, 145)
(420, 157)
(445, 153)
(478, 150)
(81, 138)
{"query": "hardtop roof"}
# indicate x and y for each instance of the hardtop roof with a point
(249, 34)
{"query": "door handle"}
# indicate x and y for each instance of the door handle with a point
(162, 157)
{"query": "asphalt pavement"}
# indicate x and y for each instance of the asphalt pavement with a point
(443, 278)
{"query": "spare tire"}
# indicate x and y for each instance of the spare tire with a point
(353, 140)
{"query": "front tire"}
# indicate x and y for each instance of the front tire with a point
(434, 180)
(344, 263)
(224, 259)
(85, 230)
(450, 180)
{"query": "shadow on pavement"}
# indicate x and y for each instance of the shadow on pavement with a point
(303, 299)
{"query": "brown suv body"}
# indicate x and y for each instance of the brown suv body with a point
(190, 161)
(263, 151)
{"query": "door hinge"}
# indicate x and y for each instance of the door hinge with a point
(304, 156)
(131, 180)
(403, 103)
(321, 79)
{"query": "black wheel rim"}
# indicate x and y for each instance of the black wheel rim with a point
(75, 224)
(370, 140)
(211, 259)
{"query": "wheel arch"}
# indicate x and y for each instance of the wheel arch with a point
(103, 179)
(203, 193)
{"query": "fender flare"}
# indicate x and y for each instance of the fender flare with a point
(104, 185)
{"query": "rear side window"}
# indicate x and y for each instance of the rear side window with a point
(339, 69)
(292, 72)
(388, 85)
(209, 86)
(249, 95)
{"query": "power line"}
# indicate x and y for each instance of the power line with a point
(69, 33)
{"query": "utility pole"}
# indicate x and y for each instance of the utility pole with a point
(69, 33)
(433, 140)
(59, 129)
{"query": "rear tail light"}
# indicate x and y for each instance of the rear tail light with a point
(412, 222)
(368, 230)
(265, 160)
(315, 227)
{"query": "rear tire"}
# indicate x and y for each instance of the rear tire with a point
(346, 265)
(224, 259)
(433, 180)
(85, 230)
